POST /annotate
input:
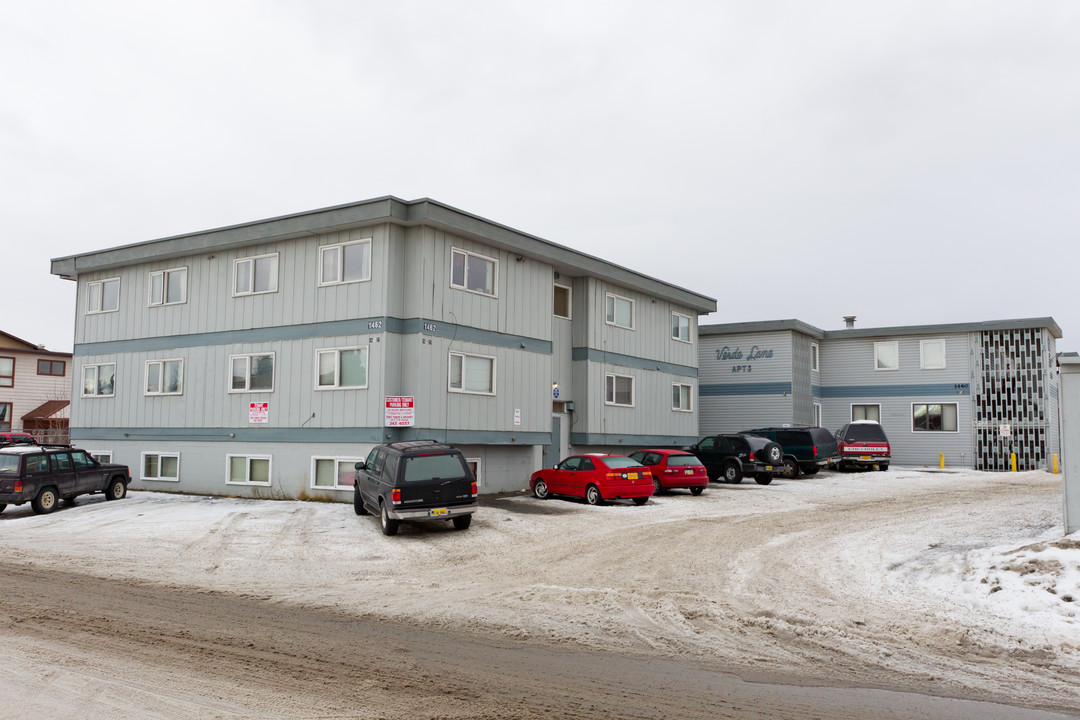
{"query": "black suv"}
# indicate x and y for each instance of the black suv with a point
(806, 449)
(733, 456)
(43, 474)
(415, 480)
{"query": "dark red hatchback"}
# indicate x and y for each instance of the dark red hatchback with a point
(673, 469)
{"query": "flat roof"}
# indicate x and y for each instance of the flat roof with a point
(761, 326)
(424, 211)
(937, 329)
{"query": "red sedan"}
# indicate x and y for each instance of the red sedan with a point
(597, 478)
(673, 469)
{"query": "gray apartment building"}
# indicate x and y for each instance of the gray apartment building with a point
(975, 392)
(264, 359)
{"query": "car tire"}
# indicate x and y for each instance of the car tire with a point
(2, 506)
(540, 490)
(696, 490)
(884, 467)
(810, 471)
(462, 522)
(116, 489)
(640, 500)
(388, 524)
(763, 479)
(593, 496)
(358, 502)
(657, 487)
(773, 454)
(732, 474)
(791, 468)
(45, 501)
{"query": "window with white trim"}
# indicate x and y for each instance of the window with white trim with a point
(815, 357)
(168, 287)
(932, 354)
(866, 412)
(248, 469)
(472, 374)
(561, 305)
(680, 397)
(619, 311)
(886, 356)
(934, 417)
(255, 275)
(680, 327)
(333, 473)
(7, 372)
(341, 368)
(473, 272)
(164, 377)
(619, 390)
(103, 296)
(251, 373)
(474, 468)
(99, 380)
(102, 456)
(345, 262)
(161, 467)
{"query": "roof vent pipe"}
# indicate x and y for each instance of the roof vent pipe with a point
(849, 321)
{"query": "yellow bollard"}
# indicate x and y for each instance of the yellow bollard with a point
(1055, 464)
(1012, 461)
(941, 461)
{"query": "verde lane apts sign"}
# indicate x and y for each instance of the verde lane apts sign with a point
(742, 363)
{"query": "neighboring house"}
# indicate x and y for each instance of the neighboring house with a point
(35, 387)
(266, 358)
(977, 392)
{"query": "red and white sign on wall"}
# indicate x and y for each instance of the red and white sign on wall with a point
(259, 412)
(399, 411)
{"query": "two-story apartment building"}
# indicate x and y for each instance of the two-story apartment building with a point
(35, 386)
(264, 359)
(976, 392)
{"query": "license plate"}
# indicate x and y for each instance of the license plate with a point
(768, 467)
(864, 457)
(688, 472)
(632, 476)
(438, 511)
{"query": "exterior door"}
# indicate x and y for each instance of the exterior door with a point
(89, 475)
(555, 450)
(63, 473)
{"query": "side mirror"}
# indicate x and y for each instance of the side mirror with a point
(359, 465)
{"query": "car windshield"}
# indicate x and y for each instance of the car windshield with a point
(865, 433)
(9, 463)
(620, 462)
(682, 461)
(429, 467)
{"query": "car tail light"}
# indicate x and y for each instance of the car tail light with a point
(815, 451)
(18, 486)
(395, 496)
(474, 488)
(751, 458)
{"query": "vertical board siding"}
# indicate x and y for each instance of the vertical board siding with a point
(729, 410)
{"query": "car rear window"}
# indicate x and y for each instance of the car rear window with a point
(682, 461)
(430, 467)
(865, 433)
(620, 462)
(821, 436)
(9, 463)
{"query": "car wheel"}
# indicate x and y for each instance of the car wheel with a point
(811, 471)
(540, 490)
(641, 500)
(657, 487)
(884, 467)
(696, 490)
(388, 524)
(358, 502)
(593, 496)
(763, 479)
(774, 454)
(116, 489)
(791, 468)
(462, 522)
(2, 506)
(44, 502)
(732, 474)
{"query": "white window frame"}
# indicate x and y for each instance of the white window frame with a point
(100, 285)
(161, 377)
(338, 249)
(852, 406)
(99, 455)
(676, 330)
(337, 368)
(896, 348)
(247, 375)
(251, 275)
(815, 357)
(614, 390)
(464, 360)
(569, 302)
(817, 414)
(922, 354)
(97, 367)
(928, 403)
(249, 458)
(337, 461)
(613, 321)
(142, 466)
(465, 275)
(689, 397)
(479, 469)
(166, 281)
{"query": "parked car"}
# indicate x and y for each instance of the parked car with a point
(673, 469)
(863, 446)
(16, 438)
(44, 474)
(597, 478)
(420, 480)
(733, 457)
(806, 449)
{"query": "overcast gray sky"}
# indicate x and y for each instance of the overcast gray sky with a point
(906, 162)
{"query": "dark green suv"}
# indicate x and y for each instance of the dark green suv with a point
(806, 449)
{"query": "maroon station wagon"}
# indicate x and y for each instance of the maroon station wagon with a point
(673, 469)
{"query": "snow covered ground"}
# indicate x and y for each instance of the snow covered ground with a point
(952, 583)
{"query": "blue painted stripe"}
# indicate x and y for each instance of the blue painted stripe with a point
(632, 442)
(305, 331)
(309, 435)
(757, 388)
(630, 361)
(910, 390)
